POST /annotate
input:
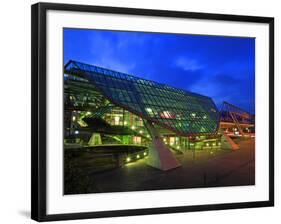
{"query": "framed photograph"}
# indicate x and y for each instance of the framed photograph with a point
(139, 111)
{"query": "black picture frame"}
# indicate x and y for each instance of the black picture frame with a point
(38, 108)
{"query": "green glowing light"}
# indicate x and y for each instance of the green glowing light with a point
(133, 127)
(149, 110)
(138, 156)
(144, 153)
(128, 159)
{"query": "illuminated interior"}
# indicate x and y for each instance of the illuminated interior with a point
(107, 107)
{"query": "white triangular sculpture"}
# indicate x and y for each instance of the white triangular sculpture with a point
(159, 155)
(95, 139)
(228, 143)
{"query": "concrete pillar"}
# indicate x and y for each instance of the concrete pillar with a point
(95, 139)
(159, 155)
(228, 143)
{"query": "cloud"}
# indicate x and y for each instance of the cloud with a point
(188, 64)
(106, 54)
(220, 67)
(114, 64)
(233, 88)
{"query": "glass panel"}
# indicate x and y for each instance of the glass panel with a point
(181, 111)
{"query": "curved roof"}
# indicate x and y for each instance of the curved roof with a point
(178, 110)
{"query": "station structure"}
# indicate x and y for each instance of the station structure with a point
(106, 107)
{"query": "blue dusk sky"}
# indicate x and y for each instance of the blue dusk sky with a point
(222, 68)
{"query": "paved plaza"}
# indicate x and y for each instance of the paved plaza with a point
(205, 168)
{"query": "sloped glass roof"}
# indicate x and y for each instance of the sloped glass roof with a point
(180, 111)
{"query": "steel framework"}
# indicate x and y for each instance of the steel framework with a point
(180, 111)
(232, 113)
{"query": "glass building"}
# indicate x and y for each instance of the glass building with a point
(103, 106)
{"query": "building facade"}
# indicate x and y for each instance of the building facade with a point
(103, 106)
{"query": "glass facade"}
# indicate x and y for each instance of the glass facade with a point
(179, 111)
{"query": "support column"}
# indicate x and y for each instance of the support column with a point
(95, 139)
(159, 156)
(228, 143)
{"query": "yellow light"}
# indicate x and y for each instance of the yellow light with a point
(116, 120)
(211, 152)
(73, 118)
(219, 143)
(88, 113)
(207, 144)
(141, 131)
(125, 122)
(133, 127)
(214, 144)
(128, 159)
(138, 156)
(147, 136)
(178, 147)
(144, 153)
